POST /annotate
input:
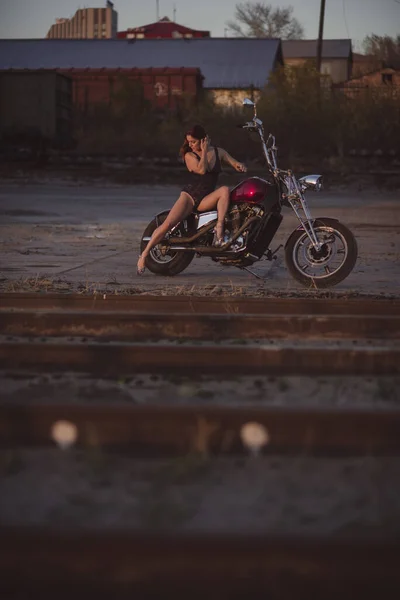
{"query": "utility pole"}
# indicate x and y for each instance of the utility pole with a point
(157, 10)
(320, 35)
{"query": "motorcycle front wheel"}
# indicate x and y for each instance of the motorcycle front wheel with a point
(328, 266)
(169, 263)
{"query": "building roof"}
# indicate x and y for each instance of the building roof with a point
(164, 28)
(308, 49)
(225, 63)
(363, 57)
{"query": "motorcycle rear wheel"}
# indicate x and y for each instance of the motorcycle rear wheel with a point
(169, 264)
(328, 267)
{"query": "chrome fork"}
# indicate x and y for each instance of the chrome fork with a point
(299, 205)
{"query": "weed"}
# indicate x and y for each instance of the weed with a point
(181, 470)
(205, 394)
(11, 463)
(164, 511)
(386, 390)
(258, 383)
(161, 505)
(283, 385)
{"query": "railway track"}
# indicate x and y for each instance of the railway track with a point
(117, 336)
(285, 336)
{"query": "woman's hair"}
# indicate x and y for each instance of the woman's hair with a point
(198, 132)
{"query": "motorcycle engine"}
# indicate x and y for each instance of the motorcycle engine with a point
(237, 215)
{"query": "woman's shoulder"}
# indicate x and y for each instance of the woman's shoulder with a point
(191, 153)
(220, 151)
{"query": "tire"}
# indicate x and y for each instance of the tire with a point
(169, 264)
(332, 264)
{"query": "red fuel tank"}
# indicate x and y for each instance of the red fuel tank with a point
(251, 191)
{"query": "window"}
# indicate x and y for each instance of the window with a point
(326, 69)
(387, 78)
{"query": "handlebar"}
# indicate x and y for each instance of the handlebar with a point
(270, 149)
(249, 125)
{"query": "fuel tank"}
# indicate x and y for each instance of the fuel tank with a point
(251, 191)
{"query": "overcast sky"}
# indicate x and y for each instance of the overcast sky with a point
(343, 18)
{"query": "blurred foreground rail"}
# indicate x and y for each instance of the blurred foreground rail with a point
(56, 564)
(118, 335)
(200, 304)
(209, 430)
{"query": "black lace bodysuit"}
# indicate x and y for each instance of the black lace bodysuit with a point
(200, 186)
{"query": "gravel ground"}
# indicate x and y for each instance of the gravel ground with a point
(374, 392)
(298, 495)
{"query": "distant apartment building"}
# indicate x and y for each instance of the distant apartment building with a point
(87, 23)
(164, 28)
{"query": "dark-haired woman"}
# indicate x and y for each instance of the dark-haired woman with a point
(204, 164)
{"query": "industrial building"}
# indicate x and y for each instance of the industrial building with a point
(87, 23)
(164, 28)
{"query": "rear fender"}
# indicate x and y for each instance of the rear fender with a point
(158, 218)
(188, 223)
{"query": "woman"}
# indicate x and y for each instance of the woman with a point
(204, 165)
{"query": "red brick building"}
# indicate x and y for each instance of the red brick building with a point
(383, 82)
(164, 28)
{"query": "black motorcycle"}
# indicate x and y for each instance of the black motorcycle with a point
(320, 253)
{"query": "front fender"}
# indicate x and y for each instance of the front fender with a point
(325, 220)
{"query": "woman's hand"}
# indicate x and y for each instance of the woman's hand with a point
(241, 167)
(205, 143)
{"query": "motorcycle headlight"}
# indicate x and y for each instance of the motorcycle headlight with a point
(311, 182)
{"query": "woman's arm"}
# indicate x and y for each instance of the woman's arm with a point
(238, 166)
(192, 162)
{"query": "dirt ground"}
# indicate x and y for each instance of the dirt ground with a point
(64, 235)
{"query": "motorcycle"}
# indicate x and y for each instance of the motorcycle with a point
(320, 253)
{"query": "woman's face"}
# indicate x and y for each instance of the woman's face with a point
(194, 144)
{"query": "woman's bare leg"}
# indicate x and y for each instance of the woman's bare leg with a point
(181, 209)
(219, 199)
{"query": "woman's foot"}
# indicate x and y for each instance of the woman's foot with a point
(141, 265)
(219, 234)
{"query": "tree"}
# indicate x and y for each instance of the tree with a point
(383, 48)
(263, 21)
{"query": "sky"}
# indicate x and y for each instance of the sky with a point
(343, 18)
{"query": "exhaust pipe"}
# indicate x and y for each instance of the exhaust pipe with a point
(215, 250)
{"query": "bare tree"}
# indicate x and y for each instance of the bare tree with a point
(384, 48)
(263, 21)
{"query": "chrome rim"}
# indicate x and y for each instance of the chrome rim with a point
(325, 262)
(159, 257)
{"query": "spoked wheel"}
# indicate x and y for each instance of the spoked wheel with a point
(161, 261)
(327, 266)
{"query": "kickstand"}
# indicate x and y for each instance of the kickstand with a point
(251, 272)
